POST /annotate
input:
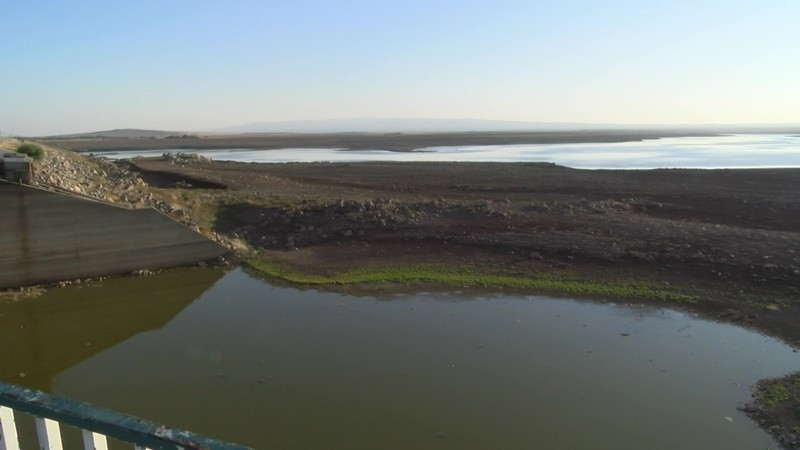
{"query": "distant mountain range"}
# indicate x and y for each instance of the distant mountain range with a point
(121, 133)
(373, 125)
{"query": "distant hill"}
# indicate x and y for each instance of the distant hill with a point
(120, 133)
(372, 125)
(375, 125)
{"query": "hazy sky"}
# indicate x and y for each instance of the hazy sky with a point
(73, 66)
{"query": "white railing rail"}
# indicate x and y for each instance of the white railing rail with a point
(95, 424)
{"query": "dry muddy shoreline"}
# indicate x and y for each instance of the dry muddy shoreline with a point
(728, 237)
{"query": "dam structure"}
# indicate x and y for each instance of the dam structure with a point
(49, 236)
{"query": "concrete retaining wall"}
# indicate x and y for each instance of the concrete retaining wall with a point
(46, 236)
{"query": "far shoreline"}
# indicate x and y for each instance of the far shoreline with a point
(721, 151)
(398, 142)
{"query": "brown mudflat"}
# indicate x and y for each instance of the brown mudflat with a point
(360, 141)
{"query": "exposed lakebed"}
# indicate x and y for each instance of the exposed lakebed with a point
(709, 152)
(236, 358)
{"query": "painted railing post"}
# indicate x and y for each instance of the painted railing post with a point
(94, 441)
(8, 430)
(49, 434)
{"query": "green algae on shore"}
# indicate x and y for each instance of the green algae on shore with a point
(775, 408)
(467, 276)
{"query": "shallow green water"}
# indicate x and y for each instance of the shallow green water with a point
(236, 358)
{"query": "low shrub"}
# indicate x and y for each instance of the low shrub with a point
(34, 151)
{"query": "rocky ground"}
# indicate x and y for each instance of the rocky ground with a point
(112, 182)
(98, 178)
(734, 226)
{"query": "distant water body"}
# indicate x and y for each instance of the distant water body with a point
(715, 152)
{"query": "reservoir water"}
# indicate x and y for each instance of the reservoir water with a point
(234, 357)
(730, 151)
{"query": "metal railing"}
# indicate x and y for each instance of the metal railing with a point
(95, 424)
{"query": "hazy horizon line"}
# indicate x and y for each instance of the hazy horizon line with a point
(378, 124)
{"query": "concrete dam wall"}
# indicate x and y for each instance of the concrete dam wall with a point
(46, 237)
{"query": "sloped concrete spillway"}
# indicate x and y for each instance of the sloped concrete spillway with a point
(46, 236)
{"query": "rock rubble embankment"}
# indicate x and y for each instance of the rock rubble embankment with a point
(98, 178)
(111, 181)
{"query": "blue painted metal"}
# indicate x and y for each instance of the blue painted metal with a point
(112, 424)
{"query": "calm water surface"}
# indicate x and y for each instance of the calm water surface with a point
(236, 358)
(731, 151)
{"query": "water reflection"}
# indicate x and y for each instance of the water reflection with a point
(42, 337)
(731, 151)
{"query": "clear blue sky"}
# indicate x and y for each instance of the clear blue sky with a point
(73, 66)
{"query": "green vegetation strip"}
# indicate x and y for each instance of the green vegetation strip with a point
(778, 391)
(469, 277)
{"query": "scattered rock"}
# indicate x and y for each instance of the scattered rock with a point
(182, 159)
(142, 273)
(749, 408)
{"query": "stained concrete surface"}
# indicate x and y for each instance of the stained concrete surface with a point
(47, 236)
